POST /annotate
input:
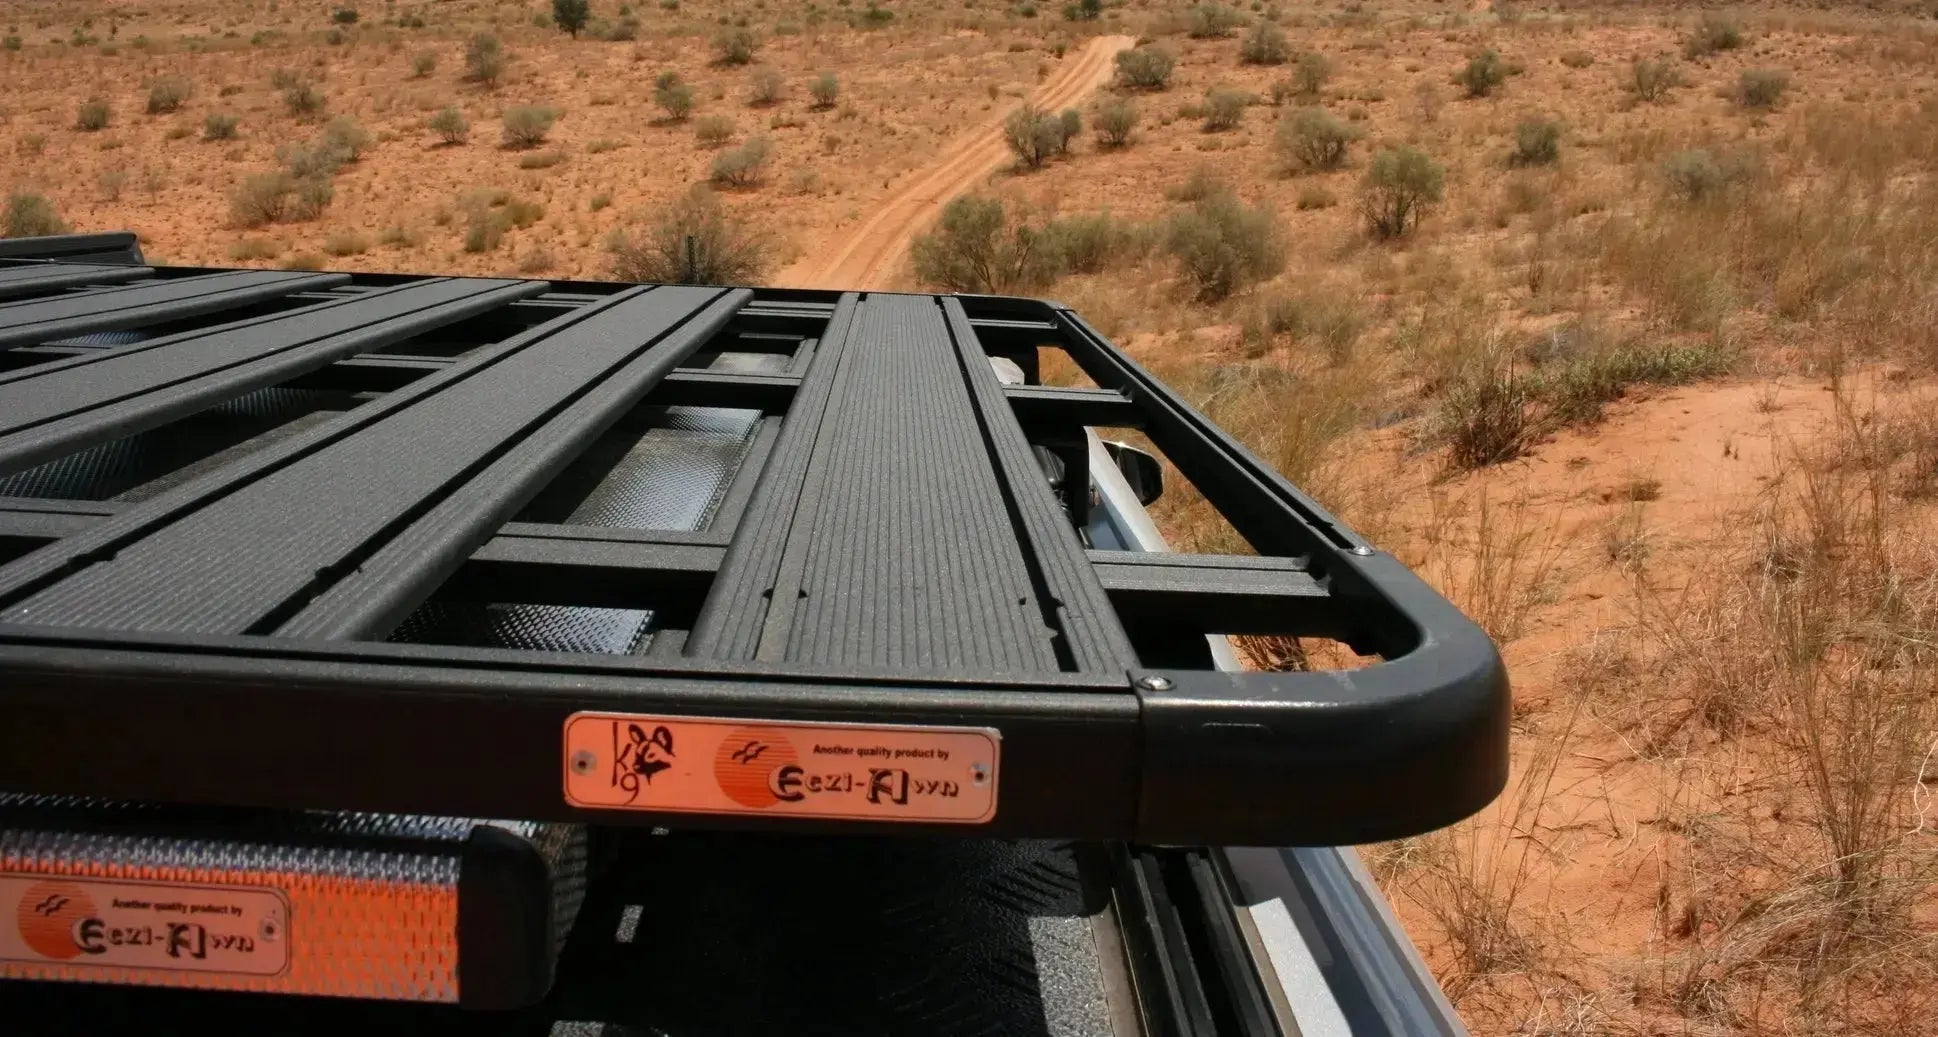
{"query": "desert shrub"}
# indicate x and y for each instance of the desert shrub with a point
(1210, 21)
(1577, 58)
(1333, 321)
(1650, 79)
(1224, 108)
(1713, 33)
(526, 125)
(484, 60)
(10, 42)
(1310, 74)
(764, 87)
(975, 247)
(1033, 135)
(279, 196)
(742, 166)
(451, 126)
(345, 140)
(30, 215)
(825, 90)
(1083, 10)
(1088, 242)
(1069, 123)
(93, 115)
(423, 64)
(1487, 417)
(303, 99)
(254, 250)
(626, 28)
(1314, 139)
(346, 243)
(219, 126)
(1221, 245)
(713, 130)
(1700, 175)
(168, 94)
(1116, 118)
(1761, 87)
(1482, 74)
(674, 97)
(344, 16)
(1315, 196)
(571, 15)
(1399, 187)
(541, 160)
(1265, 45)
(336, 37)
(1145, 68)
(398, 236)
(735, 46)
(484, 229)
(1537, 141)
(695, 241)
(1202, 183)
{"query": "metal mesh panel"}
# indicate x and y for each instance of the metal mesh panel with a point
(538, 628)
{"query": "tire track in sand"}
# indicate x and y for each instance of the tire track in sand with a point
(864, 257)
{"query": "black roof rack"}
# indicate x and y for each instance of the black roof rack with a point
(253, 522)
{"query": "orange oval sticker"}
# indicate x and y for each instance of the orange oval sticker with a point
(864, 772)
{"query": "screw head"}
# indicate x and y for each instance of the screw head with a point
(978, 773)
(583, 762)
(1154, 683)
(1362, 551)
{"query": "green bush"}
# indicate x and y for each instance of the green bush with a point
(1209, 21)
(30, 216)
(713, 130)
(344, 16)
(674, 97)
(1224, 109)
(742, 166)
(1310, 75)
(304, 100)
(484, 60)
(1116, 119)
(735, 46)
(10, 42)
(423, 64)
(218, 126)
(1265, 45)
(1650, 79)
(1487, 417)
(1537, 142)
(1221, 245)
(450, 126)
(1145, 68)
(764, 87)
(168, 94)
(694, 241)
(1761, 87)
(1482, 74)
(1314, 139)
(279, 196)
(1035, 136)
(1577, 59)
(1713, 33)
(1700, 175)
(825, 90)
(92, 116)
(1399, 187)
(1083, 10)
(345, 139)
(526, 125)
(975, 248)
(571, 15)
(1088, 242)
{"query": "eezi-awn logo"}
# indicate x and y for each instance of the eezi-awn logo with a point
(48, 916)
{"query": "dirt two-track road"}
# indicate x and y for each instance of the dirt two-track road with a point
(865, 256)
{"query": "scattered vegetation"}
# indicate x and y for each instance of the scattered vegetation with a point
(30, 215)
(695, 241)
(219, 126)
(825, 89)
(743, 166)
(1222, 245)
(977, 247)
(1224, 108)
(735, 46)
(1211, 21)
(1483, 73)
(1313, 140)
(303, 99)
(1266, 44)
(1310, 74)
(92, 116)
(1145, 68)
(673, 96)
(451, 126)
(423, 64)
(571, 16)
(1651, 79)
(713, 130)
(527, 125)
(1712, 34)
(764, 87)
(484, 60)
(168, 94)
(1036, 136)
(1115, 121)
(1761, 88)
(1537, 141)
(280, 196)
(1400, 185)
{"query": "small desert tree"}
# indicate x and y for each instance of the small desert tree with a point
(1482, 74)
(450, 126)
(825, 89)
(695, 241)
(29, 216)
(1537, 141)
(1310, 75)
(974, 248)
(674, 97)
(1034, 135)
(484, 60)
(1222, 244)
(571, 15)
(1401, 184)
(526, 125)
(1265, 45)
(1116, 119)
(735, 46)
(1313, 139)
(1145, 68)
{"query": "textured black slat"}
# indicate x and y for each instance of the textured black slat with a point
(39, 320)
(908, 559)
(51, 409)
(39, 278)
(1092, 636)
(735, 612)
(648, 339)
(243, 552)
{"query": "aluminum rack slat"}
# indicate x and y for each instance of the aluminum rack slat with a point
(54, 408)
(38, 278)
(32, 321)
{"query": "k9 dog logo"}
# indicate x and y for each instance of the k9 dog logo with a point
(140, 925)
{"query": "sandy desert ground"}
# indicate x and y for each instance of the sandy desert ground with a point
(1656, 408)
